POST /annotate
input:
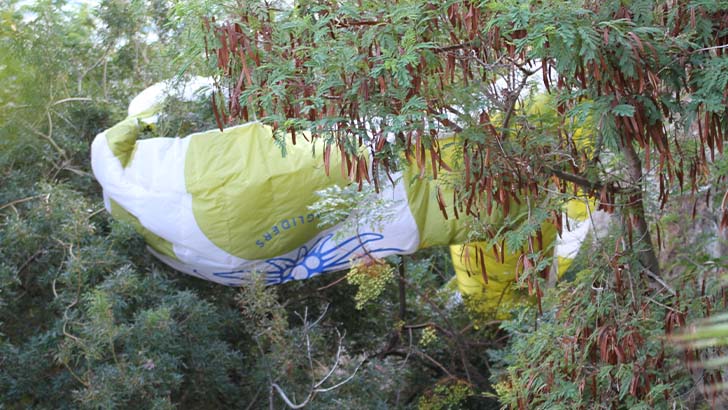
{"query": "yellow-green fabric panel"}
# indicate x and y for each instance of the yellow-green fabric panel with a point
(579, 208)
(433, 228)
(248, 200)
(540, 111)
(157, 243)
(499, 295)
(122, 139)
(432, 225)
(563, 264)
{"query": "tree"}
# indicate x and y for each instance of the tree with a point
(645, 74)
(90, 320)
(645, 79)
(80, 326)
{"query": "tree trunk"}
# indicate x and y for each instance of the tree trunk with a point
(402, 290)
(636, 209)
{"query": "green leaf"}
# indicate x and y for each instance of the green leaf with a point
(623, 110)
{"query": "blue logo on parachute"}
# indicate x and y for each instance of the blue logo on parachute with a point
(324, 255)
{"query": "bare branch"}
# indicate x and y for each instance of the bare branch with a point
(316, 387)
(343, 382)
(336, 362)
(453, 47)
(435, 362)
(316, 322)
(288, 402)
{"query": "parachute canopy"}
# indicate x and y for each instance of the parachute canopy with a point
(221, 205)
(224, 204)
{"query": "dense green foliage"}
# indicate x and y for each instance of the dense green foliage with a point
(88, 319)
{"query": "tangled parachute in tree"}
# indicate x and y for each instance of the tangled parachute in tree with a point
(222, 205)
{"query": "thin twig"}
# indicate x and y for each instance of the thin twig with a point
(48, 137)
(65, 100)
(512, 99)
(254, 399)
(336, 364)
(453, 47)
(347, 380)
(27, 262)
(288, 402)
(663, 305)
(409, 350)
(20, 201)
(576, 179)
(337, 281)
(435, 362)
(659, 280)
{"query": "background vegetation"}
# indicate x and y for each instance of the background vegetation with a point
(89, 319)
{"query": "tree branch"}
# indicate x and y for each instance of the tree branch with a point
(577, 179)
(316, 386)
(453, 47)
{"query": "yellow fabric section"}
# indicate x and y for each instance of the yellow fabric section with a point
(540, 111)
(247, 199)
(157, 243)
(122, 139)
(563, 264)
(433, 227)
(577, 208)
(498, 296)
(493, 300)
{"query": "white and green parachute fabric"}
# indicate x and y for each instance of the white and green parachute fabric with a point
(221, 205)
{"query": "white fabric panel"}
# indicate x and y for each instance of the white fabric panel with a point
(152, 188)
(401, 231)
(568, 245)
(147, 99)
